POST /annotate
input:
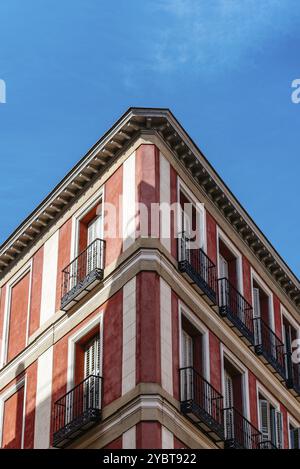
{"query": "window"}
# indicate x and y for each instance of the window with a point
(294, 437)
(86, 270)
(261, 305)
(263, 317)
(233, 396)
(289, 334)
(87, 356)
(191, 358)
(90, 227)
(228, 264)
(92, 357)
(191, 219)
(270, 420)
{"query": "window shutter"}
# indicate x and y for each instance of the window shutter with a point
(223, 267)
(92, 357)
(187, 350)
(187, 361)
(256, 314)
(228, 391)
(279, 429)
(223, 289)
(228, 404)
(256, 303)
(264, 419)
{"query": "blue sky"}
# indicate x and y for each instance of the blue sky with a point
(224, 67)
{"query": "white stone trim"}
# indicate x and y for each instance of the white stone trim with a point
(49, 278)
(129, 337)
(165, 201)
(167, 438)
(129, 201)
(166, 342)
(43, 403)
(129, 438)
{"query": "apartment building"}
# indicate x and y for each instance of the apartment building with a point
(141, 307)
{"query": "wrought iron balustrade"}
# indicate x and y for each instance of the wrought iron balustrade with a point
(82, 274)
(234, 307)
(202, 403)
(269, 346)
(77, 411)
(267, 445)
(239, 432)
(199, 268)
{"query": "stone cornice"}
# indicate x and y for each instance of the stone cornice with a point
(107, 150)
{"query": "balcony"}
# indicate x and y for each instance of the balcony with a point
(236, 310)
(269, 347)
(267, 445)
(293, 375)
(77, 411)
(201, 403)
(239, 432)
(199, 270)
(82, 274)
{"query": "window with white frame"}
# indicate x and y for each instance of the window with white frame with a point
(191, 220)
(192, 358)
(263, 316)
(290, 333)
(270, 422)
(294, 436)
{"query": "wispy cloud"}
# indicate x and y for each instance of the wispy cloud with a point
(215, 33)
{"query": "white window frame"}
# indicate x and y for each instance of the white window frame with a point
(239, 259)
(285, 314)
(75, 338)
(255, 277)
(260, 390)
(27, 268)
(294, 423)
(80, 214)
(183, 310)
(199, 206)
(7, 395)
(225, 353)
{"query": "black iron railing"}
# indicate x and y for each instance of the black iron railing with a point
(239, 432)
(269, 346)
(234, 306)
(267, 445)
(77, 411)
(198, 266)
(202, 403)
(81, 274)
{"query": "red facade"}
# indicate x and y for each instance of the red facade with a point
(146, 340)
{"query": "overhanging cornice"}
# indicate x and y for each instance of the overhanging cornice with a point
(107, 149)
